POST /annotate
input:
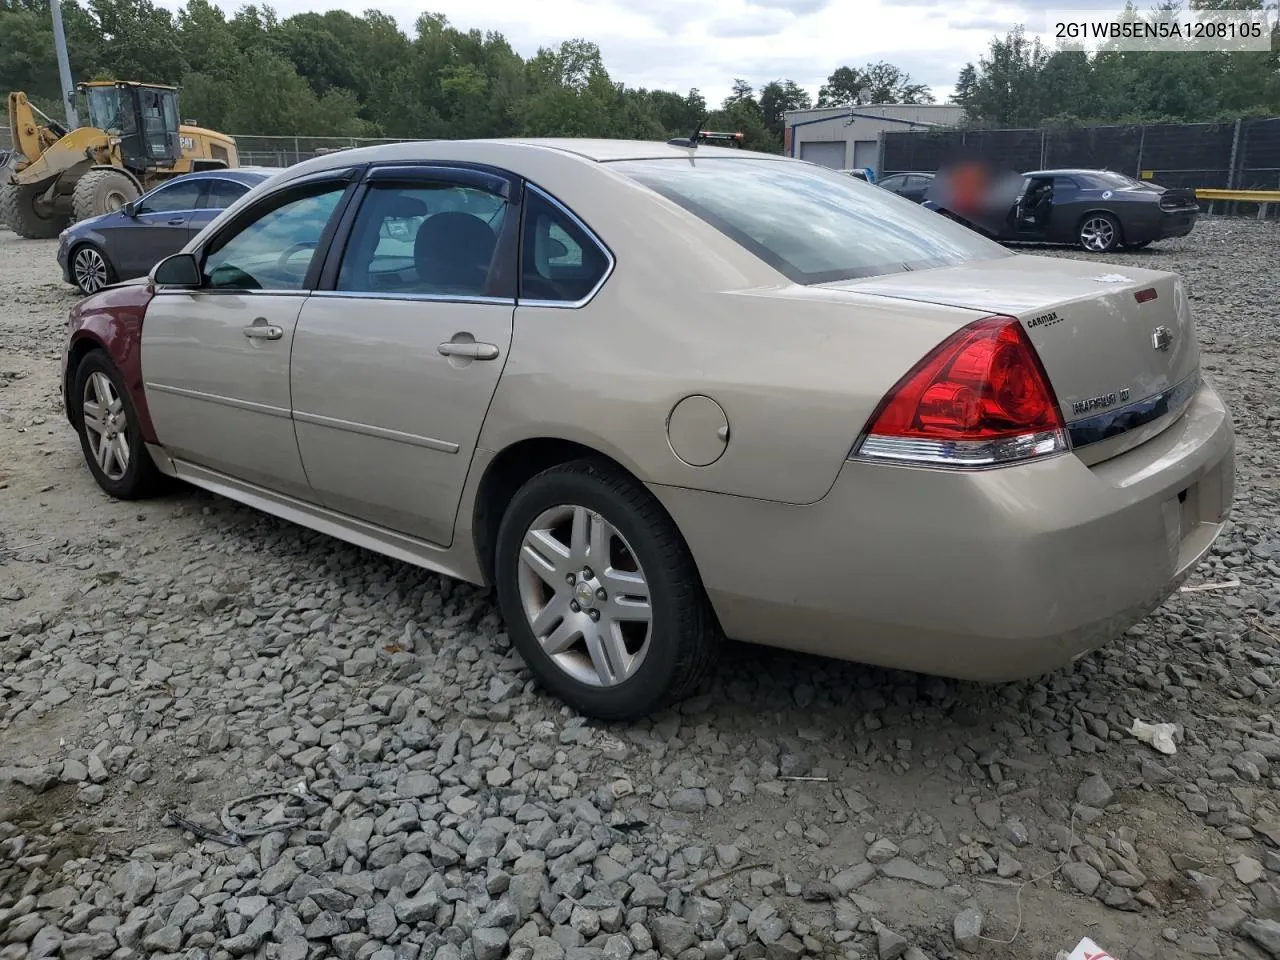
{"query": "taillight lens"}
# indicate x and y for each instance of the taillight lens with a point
(979, 399)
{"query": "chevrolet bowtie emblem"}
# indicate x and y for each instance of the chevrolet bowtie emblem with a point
(1161, 339)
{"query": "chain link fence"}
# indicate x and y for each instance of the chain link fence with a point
(1237, 155)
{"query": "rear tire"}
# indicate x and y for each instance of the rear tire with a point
(110, 433)
(1099, 233)
(101, 191)
(593, 647)
(23, 214)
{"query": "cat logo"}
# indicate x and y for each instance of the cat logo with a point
(188, 143)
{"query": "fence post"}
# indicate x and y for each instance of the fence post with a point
(1044, 148)
(297, 153)
(1235, 149)
(1142, 142)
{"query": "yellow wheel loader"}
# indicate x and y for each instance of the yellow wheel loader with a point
(133, 142)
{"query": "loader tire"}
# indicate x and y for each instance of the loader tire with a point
(19, 212)
(99, 192)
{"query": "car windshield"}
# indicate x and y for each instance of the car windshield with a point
(811, 224)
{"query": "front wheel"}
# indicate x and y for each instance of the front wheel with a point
(600, 594)
(110, 433)
(90, 269)
(1099, 233)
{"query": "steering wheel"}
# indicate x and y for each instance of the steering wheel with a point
(291, 252)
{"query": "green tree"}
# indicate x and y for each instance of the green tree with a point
(878, 82)
(776, 98)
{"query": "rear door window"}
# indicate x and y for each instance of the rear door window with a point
(435, 239)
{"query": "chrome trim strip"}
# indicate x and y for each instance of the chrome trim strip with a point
(593, 237)
(424, 297)
(378, 433)
(1114, 423)
(228, 291)
(249, 405)
(961, 454)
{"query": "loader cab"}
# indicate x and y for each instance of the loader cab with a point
(144, 117)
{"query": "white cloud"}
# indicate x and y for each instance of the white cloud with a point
(680, 44)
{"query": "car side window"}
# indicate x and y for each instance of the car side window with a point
(223, 193)
(1064, 185)
(428, 239)
(183, 195)
(273, 251)
(561, 262)
(893, 184)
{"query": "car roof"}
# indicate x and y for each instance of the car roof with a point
(580, 149)
(1067, 172)
(246, 175)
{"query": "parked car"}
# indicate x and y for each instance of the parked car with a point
(1097, 209)
(865, 174)
(911, 185)
(659, 394)
(127, 243)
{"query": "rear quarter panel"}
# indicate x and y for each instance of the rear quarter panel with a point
(797, 370)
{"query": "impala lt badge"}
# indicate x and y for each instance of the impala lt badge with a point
(1161, 339)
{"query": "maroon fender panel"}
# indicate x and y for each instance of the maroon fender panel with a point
(112, 319)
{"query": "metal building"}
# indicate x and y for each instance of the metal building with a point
(845, 138)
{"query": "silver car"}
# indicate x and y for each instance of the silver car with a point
(659, 394)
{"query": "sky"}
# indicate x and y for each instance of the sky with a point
(681, 44)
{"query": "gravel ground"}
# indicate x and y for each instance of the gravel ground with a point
(177, 655)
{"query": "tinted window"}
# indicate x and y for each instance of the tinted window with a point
(223, 193)
(1064, 183)
(560, 260)
(1106, 178)
(917, 182)
(893, 183)
(183, 195)
(274, 250)
(431, 239)
(812, 225)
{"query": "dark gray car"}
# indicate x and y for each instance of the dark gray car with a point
(130, 241)
(910, 185)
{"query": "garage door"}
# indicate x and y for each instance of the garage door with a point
(828, 153)
(865, 153)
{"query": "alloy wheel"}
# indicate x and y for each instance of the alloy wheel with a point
(90, 270)
(585, 596)
(106, 426)
(1098, 234)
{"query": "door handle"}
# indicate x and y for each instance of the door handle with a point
(468, 350)
(178, 222)
(261, 330)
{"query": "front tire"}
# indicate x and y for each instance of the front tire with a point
(1099, 233)
(110, 433)
(26, 215)
(600, 594)
(90, 269)
(99, 192)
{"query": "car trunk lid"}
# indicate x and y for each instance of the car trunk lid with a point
(1118, 343)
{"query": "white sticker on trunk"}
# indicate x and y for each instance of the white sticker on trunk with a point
(1112, 278)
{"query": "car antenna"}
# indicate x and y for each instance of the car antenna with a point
(693, 138)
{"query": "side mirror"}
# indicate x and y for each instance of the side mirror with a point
(180, 270)
(130, 209)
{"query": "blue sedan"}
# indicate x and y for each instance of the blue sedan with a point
(129, 242)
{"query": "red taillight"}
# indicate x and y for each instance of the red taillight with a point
(1145, 296)
(981, 398)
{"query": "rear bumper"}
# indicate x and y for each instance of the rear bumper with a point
(989, 576)
(1177, 224)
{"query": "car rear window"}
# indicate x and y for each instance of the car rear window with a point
(811, 224)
